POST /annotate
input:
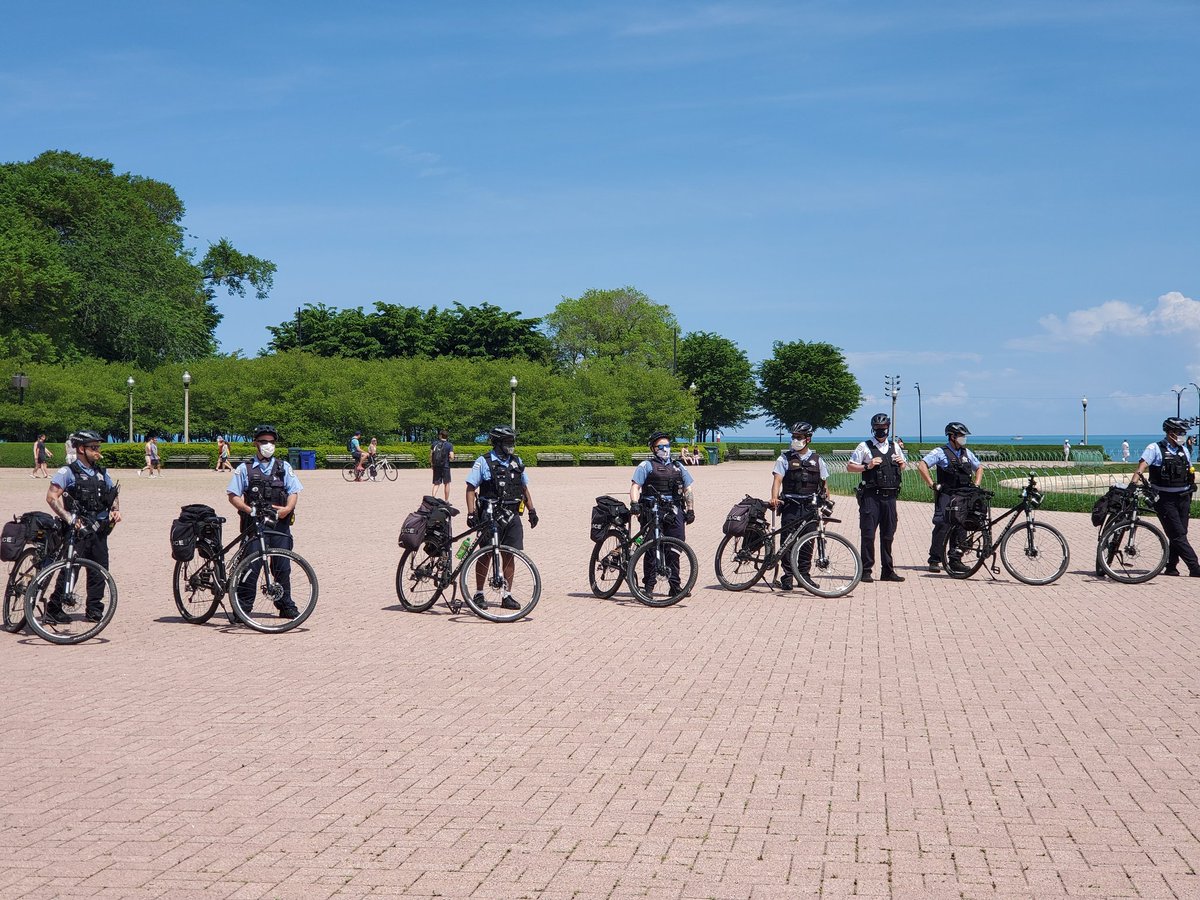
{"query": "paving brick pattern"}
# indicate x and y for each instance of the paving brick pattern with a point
(931, 739)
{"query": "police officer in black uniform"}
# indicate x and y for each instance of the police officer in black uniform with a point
(957, 468)
(881, 463)
(83, 489)
(267, 487)
(799, 476)
(1170, 468)
(670, 483)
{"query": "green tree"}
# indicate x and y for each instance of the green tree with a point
(807, 382)
(724, 380)
(621, 324)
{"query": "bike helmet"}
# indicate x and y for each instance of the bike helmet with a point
(260, 430)
(658, 436)
(880, 420)
(502, 434)
(79, 438)
(956, 429)
(803, 429)
(1174, 425)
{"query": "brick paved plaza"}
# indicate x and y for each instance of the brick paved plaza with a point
(930, 739)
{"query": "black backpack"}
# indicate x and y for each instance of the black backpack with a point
(439, 456)
(428, 527)
(609, 512)
(199, 526)
(747, 514)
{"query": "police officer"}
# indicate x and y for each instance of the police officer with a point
(84, 489)
(799, 476)
(957, 468)
(881, 463)
(670, 483)
(499, 478)
(1170, 468)
(267, 487)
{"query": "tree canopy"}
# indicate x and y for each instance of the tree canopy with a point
(93, 263)
(807, 382)
(724, 380)
(622, 324)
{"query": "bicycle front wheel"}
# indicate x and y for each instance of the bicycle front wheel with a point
(196, 594)
(662, 571)
(390, 472)
(23, 571)
(742, 559)
(1035, 553)
(500, 586)
(420, 578)
(606, 568)
(56, 605)
(1133, 552)
(964, 552)
(826, 563)
(273, 591)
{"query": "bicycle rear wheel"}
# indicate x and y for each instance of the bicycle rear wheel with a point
(964, 552)
(742, 559)
(606, 568)
(420, 578)
(1133, 552)
(1035, 553)
(662, 571)
(56, 602)
(195, 587)
(826, 564)
(23, 571)
(262, 584)
(505, 592)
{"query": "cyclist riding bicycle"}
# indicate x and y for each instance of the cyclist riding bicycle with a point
(957, 468)
(267, 487)
(799, 475)
(670, 485)
(498, 478)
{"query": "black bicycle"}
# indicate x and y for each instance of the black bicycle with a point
(1131, 549)
(43, 538)
(499, 583)
(246, 571)
(827, 564)
(56, 607)
(1033, 552)
(667, 565)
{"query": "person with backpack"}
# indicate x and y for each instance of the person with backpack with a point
(1174, 477)
(881, 463)
(441, 454)
(498, 478)
(799, 476)
(957, 468)
(670, 483)
(354, 445)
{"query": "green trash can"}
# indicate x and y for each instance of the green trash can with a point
(714, 454)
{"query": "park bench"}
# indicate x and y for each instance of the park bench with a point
(597, 459)
(555, 459)
(748, 453)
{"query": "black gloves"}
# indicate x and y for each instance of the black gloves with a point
(533, 517)
(689, 517)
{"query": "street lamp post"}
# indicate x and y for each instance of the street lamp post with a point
(129, 382)
(512, 383)
(891, 384)
(1084, 401)
(187, 383)
(920, 420)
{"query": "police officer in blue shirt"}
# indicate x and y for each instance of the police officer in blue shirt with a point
(267, 487)
(1170, 468)
(957, 468)
(881, 463)
(669, 483)
(798, 478)
(498, 478)
(84, 489)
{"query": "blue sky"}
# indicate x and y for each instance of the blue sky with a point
(996, 200)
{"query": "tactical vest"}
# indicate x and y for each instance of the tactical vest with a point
(957, 473)
(802, 476)
(1175, 470)
(664, 479)
(886, 476)
(264, 488)
(90, 495)
(505, 484)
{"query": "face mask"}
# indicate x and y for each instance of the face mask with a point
(799, 443)
(266, 451)
(663, 453)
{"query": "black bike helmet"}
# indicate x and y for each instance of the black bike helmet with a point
(956, 429)
(658, 436)
(260, 430)
(502, 434)
(880, 420)
(79, 438)
(803, 429)
(1174, 425)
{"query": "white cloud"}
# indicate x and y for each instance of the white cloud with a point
(1172, 314)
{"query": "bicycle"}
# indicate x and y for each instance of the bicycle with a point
(1132, 550)
(617, 555)
(39, 549)
(826, 563)
(55, 608)
(253, 570)
(1033, 552)
(371, 472)
(422, 575)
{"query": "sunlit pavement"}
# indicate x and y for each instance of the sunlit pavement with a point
(931, 738)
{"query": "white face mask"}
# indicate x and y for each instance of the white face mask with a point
(266, 451)
(799, 443)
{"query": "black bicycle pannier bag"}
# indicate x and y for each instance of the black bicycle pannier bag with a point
(1108, 503)
(609, 512)
(429, 525)
(744, 513)
(969, 510)
(12, 540)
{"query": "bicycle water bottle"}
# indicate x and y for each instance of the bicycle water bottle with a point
(463, 548)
